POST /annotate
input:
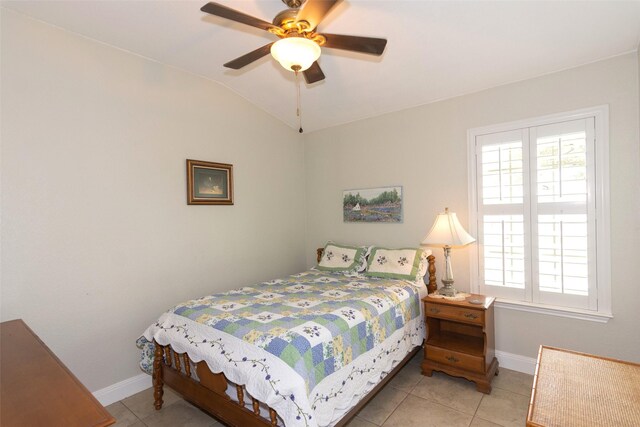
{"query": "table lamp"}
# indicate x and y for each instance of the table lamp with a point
(447, 232)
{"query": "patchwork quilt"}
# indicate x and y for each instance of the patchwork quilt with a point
(282, 338)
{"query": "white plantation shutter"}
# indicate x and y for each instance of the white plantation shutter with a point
(535, 213)
(563, 262)
(562, 155)
(503, 237)
(502, 174)
(502, 178)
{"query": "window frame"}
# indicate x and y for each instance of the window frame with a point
(600, 115)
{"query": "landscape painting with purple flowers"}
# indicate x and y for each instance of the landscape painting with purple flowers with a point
(382, 204)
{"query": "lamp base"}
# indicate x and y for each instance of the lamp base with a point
(447, 290)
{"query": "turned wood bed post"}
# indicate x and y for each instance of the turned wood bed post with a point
(433, 285)
(157, 377)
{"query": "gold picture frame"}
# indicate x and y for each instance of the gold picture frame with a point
(209, 183)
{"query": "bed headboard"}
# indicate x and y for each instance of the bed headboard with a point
(432, 286)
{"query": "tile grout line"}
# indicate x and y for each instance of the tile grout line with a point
(395, 409)
(514, 392)
(477, 407)
(134, 414)
(445, 406)
(409, 393)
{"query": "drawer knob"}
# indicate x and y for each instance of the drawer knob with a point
(471, 316)
(452, 359)
(434, 310)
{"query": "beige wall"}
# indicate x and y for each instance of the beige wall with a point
(97, 238)
(424, 150)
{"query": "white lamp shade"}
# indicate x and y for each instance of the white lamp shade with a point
(447, 231)
(294, 51)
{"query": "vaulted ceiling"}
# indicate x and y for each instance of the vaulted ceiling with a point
(436, 49)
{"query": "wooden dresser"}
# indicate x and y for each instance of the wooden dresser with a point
(460, 339)
(36, 389)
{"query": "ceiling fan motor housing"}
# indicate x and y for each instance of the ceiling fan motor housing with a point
(293, 4)
(285, 18)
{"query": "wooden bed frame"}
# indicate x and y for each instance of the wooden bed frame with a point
(209, 392)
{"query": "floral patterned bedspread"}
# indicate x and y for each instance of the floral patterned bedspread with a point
(314, 322)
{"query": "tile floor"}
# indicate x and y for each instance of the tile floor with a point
(410, 399)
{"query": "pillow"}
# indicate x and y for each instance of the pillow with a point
(343, 258)
(401, 264)
(424, 265)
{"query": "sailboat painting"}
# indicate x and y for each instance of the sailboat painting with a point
(383, 204)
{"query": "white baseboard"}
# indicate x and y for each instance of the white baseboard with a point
(118, 391)
(516, 362)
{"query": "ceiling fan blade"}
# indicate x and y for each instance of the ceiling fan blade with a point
(370, 45)
(313, 74)
(247, 59)
(228, 13)
(313, 11)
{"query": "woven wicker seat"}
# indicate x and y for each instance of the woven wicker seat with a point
(577, 389)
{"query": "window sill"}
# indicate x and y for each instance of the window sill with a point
(572, 313)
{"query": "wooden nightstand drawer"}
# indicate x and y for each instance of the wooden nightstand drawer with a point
(459, 314)
(455, 359)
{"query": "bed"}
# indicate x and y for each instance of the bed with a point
(308, 350)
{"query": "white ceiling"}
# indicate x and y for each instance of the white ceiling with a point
(435, 50)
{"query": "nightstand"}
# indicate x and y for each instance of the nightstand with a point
(461, 340)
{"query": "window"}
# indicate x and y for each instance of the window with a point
(539, 211)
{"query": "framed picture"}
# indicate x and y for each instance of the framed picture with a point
(383, 204)
(209, 183)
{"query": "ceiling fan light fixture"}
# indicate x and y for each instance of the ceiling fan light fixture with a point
(295, 53)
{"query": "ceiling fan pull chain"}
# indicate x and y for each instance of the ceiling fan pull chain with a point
(298, 105)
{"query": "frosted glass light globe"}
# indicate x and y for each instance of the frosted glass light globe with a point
(295, 51)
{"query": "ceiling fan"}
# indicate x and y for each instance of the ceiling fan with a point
(299, 46)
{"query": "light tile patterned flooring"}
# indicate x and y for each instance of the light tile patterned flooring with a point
(408, 400)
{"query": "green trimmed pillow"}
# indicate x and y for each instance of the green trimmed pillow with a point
(394, 263)
(342, 258)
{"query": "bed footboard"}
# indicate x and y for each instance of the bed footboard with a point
(209, 391)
